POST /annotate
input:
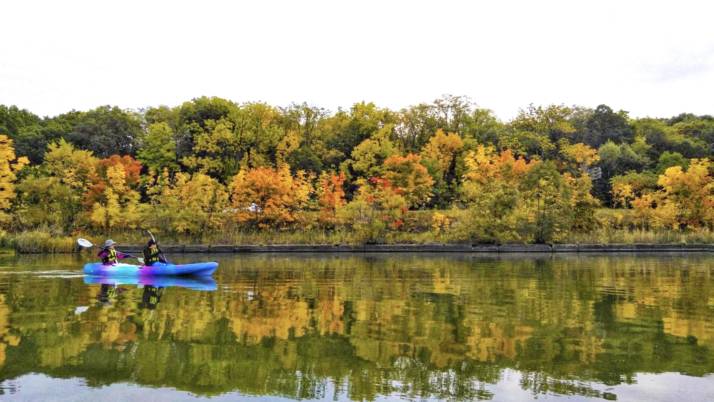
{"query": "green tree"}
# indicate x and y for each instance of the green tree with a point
(368, 157)
(14, 119)
(215, 151)
(193, 116)
(603, 125)
(536, 130)
(258, 131)
(344, 131)
(107, 130)
(668, 159)
(158, 148)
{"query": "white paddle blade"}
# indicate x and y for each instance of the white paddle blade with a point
(84, 243)
(141, 260)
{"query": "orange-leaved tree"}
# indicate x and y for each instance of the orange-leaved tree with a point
(485, 167)
(331, 196)
(269, 197)
(100, 176)
(118, 204)
(411, 177)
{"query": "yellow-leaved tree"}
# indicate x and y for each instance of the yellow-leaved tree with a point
(686, 198)
(118, 205)
(579, 155)
(9, 165)
(75, 168)
(53, 195)
(491, 189)
(186, 204)
(269, 197)
(441, 155)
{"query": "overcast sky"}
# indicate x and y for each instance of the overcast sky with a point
(651, 58)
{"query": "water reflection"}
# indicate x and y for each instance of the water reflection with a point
(367, 327)
(189, 282)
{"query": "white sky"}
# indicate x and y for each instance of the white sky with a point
(651, 58)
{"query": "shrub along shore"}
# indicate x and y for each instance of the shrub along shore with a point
(313, 240)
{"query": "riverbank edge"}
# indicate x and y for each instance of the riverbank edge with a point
(426, 248)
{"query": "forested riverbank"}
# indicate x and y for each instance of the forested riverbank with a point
(214, 171)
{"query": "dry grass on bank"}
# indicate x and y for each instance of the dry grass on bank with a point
(614, 227)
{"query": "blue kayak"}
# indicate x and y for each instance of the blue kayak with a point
(205, 283)
(158, 269)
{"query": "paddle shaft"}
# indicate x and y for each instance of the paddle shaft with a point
(161, 253)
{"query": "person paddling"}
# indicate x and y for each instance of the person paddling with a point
(109, 255)
(152, 253)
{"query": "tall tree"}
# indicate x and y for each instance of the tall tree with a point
(603, 125)
(158, 148)
(107, 130)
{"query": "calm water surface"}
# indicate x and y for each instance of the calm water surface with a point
(364, 327)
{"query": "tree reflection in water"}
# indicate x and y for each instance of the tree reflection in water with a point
(426, 326)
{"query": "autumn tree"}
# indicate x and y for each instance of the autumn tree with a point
(53, 193)
(368, 157)
(491, 189)
(46, 201)
(101, 179)
(579, 156)
(118, 204)
(331, 196)
(377, 208)
(269, 197)
(193, 117)
(215, 151)
(186, 204)
(552, 204)
(346, 129)
(9, 165)
(627, 187)
(686, 198)
(74, 167)
(440, 155)
(407, 174)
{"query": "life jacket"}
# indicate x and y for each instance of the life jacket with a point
(151, 254)
(110, 257)
(151, 297)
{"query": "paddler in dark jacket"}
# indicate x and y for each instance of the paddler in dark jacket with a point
(109, 255)
(152, 253)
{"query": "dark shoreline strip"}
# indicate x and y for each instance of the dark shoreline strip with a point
(430, 248)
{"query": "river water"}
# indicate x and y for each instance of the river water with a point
(364, 327)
